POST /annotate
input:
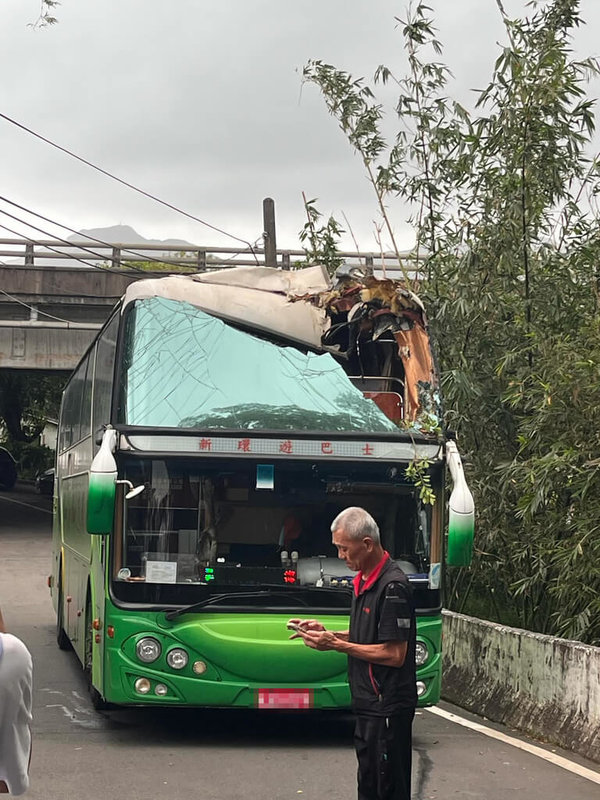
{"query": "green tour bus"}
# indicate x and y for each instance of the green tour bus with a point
(209, 436)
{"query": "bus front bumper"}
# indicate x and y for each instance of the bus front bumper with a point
(128, 683)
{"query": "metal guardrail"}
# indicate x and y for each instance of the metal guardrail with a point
(54, 294)
(121, 256)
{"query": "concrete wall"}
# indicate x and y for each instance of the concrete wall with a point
(43, 283)
(546, 687)
(43, 347)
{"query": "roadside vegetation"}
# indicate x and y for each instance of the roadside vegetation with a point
(504, 204)
(27, 400)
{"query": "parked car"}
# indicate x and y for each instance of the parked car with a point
(44, 481)
(8, 469)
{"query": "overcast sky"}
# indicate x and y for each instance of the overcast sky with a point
(201, 104)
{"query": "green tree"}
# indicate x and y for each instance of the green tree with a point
(27, 400)
(319, 240)
(502, 200)
(46, 16)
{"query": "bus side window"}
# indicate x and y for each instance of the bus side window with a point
(103, 376)
(77, 388)
(71, 409)
(66, 420)
(86, 397)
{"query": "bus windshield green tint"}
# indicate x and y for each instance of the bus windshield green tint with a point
(210, 525)
(185, 368)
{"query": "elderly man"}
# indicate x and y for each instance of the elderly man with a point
(380, 646)
(15, 713)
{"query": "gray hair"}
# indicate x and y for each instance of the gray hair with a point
(357, 523)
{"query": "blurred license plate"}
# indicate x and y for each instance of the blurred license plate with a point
(285, 698)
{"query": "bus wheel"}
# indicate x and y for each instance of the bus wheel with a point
(62, 640)
(98, 702)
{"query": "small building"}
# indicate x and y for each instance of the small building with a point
(48, 434)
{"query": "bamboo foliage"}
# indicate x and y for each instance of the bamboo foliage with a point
(502, 199)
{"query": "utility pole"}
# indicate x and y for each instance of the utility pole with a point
(269, 232)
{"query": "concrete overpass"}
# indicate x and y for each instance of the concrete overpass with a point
(55, 294)
(49, 315)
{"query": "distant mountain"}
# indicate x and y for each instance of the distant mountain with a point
(91, 253)
(125, 234)
(112, 235)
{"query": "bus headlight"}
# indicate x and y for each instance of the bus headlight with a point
(421, 653)
(148, 649)
(177, 658)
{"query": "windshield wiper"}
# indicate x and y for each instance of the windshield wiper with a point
(308, 587)
(265, 590)
(216, 598)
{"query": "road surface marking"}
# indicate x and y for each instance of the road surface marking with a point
(72, 716)
(21, 503)
(559, 761)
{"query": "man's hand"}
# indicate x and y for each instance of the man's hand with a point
(321, 640)
(304, 625)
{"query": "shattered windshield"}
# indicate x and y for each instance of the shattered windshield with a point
(185, 368)
(212, 525)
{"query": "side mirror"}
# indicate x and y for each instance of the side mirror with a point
(102, 486)
(461, 513)
(133, 490)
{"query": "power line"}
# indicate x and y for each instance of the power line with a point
(243, 252)
(124, 182)
(41, 230)
(53, 249)
(145, 256)
(66, 242)
(30, 307)
(72, 230)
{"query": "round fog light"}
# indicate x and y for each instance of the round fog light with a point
(177, 658)
(142, 685)
(161, 689)
(421, 688)
(199, 667)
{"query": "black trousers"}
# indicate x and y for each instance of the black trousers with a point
(384, 752)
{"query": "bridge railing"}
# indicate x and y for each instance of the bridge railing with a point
(74, 254)
(55, 294)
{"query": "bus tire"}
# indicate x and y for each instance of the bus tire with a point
(62, 640)
(98, 702)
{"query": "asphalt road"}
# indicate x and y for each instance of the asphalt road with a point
(223, 755)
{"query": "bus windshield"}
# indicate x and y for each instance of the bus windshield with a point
(185, 368)
(218, 524)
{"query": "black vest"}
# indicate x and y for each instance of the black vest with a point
(383, 611)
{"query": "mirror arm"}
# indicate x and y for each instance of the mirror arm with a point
(133, 490)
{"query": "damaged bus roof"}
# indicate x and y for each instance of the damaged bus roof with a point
(376, 326)
(256, 297)
(291, 304)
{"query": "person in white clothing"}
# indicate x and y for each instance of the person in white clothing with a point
(16, 674)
